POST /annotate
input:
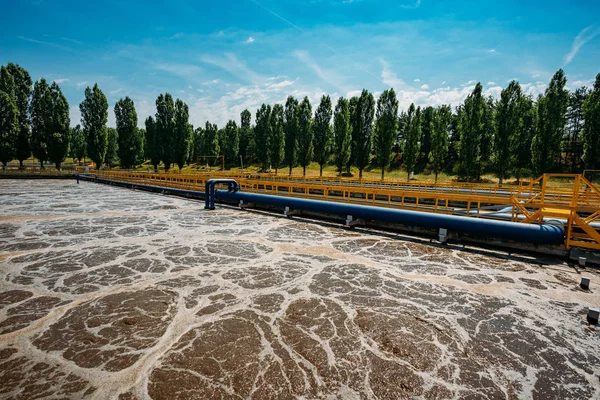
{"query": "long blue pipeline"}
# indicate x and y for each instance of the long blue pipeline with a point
(529, 233)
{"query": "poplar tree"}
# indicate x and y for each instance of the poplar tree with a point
(94, 114)
(111, 157)
(211, 140)
(182, 134)
(471, 128)
(165, 128)
(322, 132)
(290, 127)
(364, 115)
(386, 129)
(354, 130)
(245, 135)
(78, 145)
(427, 127)
(411, 140)
(232, 142)
(59, 132)
(9, 127)
(442, 119)
(277, 143)
(40, 114)
(22, 92)
(305, 134)
(521, 146)
(552, 109)
(342, 135)
(507, 124)
(152, 143)
(262, 135)
(129, 138)
(591, 131)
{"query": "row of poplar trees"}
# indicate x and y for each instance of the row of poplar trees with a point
(509, 136)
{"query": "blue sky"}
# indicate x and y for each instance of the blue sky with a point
(224, 56)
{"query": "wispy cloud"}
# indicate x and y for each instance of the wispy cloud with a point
(416, 4)
(187, 71)
(116, 91)
(417, 80)
(234, 66)
(584, 36)
(329, 77)
(58, 46)
(491, 83)
(71, 40)
(425, 87)
(62, 80)
(249, 40)
(491, 50)
(178, 35)
(389, 77)
(80, 84)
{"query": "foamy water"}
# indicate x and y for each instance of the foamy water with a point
(112, 293)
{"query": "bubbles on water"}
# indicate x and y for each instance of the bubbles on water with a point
(112, 293)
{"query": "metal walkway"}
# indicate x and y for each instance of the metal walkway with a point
(569, 200)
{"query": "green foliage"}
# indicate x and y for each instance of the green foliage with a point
(412, 136)
(426, 130)
(573, 144)
(442, 119)
(111, 158)
(362, 130)
(78, 145)
(472, 131)
(210, 140)
(58, 127)
(277, 142)
(197, 144)
(305, 134)
(22, 93)
(342, 136)
(552, 109)
(129, 138)
(262, 135)
(591, 132)
(232, 143)
(386, 129)
(507, 127)
(94, 114)
(182, 134)
(521, 146)
(40, 115)
(290, 127)
(246, 137)
(152, 143)
(354, 129)
(322, 132)
(165, 128)
(9, 127)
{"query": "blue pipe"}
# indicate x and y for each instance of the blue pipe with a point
(530, 233)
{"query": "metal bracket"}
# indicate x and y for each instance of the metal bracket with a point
(243, 205)
(443, 235)
(290, 213)
(350, 222)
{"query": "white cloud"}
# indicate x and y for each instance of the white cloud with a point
(234, 66)
(178, 35)
(417, 80)
(469, 83)
(491, 50)
(425, 87)
(582, 38)
(186, 71)
(116, 91)
(62, 80)
(389, 77)
(249, 40)
(443, 82)
(213, 82)
(491, 83)
(80, 84)
(327, 76)
(189, 86)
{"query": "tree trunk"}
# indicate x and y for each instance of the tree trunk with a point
(57, 166)
(436, 176)
(304, 170)
(360, 173)
(41, 164)
(20, 164)
(320, 170)
(382, 172)
(290, 170)
(501, 177)
(275, 171)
